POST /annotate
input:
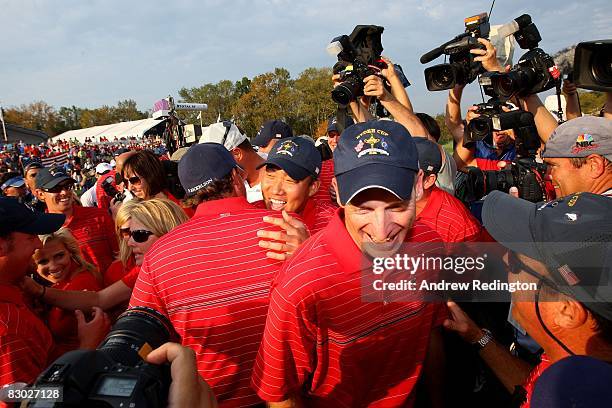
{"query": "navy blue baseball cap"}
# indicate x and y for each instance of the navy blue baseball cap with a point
(430, 158)
(572, 236)
(16, 217)
(203, 164)
(272, 129)
(375, 154)
(576, 381)
(297, 156)
(332, 123)
(47, 178)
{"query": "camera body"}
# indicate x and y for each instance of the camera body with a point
(115, 374)
(535, 72)
(461, 69)
(358, 57)
(111, 190)
(593, 65)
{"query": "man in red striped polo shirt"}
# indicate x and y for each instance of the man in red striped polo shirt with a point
(211, 277)
(325, 346)
(91, 226)
(437, 208)
(291, 179)
(25, 341)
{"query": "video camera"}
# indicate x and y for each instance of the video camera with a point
(462, 68)
(111, 190)
(358, 57)
(114, 375)
(593, 65)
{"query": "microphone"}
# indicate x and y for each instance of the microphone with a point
(431, 55)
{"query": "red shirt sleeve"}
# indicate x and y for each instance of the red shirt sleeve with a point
(130, 278)
(284, 361)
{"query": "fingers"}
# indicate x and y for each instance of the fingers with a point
(294, 222)
(80, 317)
(274, 246)
(167, 352)
(514, 192)
(277, 256)
(273, 235)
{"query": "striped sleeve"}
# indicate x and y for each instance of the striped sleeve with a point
(287, 352)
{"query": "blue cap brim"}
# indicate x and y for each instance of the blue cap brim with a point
(509, 220)
(294, 171)
(261, 140)
(397, 180)
(42, 223)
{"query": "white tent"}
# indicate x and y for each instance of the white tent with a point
(136, 128)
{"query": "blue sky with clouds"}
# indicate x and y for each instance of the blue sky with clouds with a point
(95, 52)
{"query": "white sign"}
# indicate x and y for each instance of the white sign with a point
(190, 106)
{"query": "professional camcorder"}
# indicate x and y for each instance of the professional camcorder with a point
(462, 68)
(111, 190)
(115, 375)
(593, 65)
(358, 57)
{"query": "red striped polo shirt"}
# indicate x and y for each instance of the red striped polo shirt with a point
(326, 176)
(316, 215)
(449, 218)
(94, 230)
(323, 340)
(25, 342)
(212, 280)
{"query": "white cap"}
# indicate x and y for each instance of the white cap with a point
(113, 163)
(103, 168)
(223, 132)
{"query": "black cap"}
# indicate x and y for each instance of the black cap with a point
(297, 156)
(202, 164)
(430, 158)
(332, 123)
(375, 154)
(16, 217)
(32, 165)
(572, 236)
(576, 381)
(272, 129)
(48, 178)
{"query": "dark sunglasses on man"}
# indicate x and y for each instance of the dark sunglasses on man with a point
(139, 236)
(60, 187)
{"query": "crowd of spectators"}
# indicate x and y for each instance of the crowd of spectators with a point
(256, 248)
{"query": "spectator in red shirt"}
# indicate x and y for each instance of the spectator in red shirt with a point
(291, 180)
(437, 208)
(211, 277)
(323, 345)
(564, 248)
(92, 227)
(25, 342)
(60, 262)
(140, 224)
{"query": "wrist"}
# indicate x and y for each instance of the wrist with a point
(485, 337)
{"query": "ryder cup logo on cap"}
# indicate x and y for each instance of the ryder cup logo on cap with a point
(376, 154)
(287, 148)
(297, 156)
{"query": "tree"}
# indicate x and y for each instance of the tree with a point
(313, 101)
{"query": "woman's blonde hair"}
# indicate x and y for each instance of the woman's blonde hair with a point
(158, 215)
(64, 236)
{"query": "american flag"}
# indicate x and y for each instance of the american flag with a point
(57, 160)
(569, 275)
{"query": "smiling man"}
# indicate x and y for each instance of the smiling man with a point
(291, 180)
(319, 332)
(579, 156)
(91, 226)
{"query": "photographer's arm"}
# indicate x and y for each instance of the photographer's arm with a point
(374, 87)
(572, 103)
(544, 120)
(463, 156)
(106, 298)
(397, 89)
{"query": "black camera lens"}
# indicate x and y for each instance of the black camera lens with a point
(346, 92)
(136, 332)
(480, 127)
(602, 68)
(440, 77)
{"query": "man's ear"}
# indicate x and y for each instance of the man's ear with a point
(418, 185)
(429, 181)
(334, 184)
(238, 182)
(570, 314)
(237, 153)
(39, 194)
(314, 187)
(597, 165)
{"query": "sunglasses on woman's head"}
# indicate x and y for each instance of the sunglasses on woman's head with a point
(139, 236)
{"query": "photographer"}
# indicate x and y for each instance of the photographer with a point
(572, 100)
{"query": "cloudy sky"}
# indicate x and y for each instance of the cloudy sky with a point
(95, 52)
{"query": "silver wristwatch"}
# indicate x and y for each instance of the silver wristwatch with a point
(486, 338)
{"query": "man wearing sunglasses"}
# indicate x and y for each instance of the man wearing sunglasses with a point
(92, 227)
(565, 247)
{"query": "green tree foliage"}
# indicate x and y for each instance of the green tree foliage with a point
(591, 102)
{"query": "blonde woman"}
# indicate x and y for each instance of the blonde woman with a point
(145, 222)
(60, 262)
